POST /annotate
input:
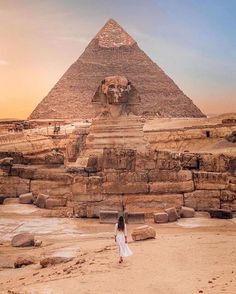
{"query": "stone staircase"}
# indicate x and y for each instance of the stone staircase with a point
(123, 132)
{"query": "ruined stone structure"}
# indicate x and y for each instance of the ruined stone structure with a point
(124, 179)
(115, 165)
(114, 52)
(185, 138)
(116, 125)
(102, 172)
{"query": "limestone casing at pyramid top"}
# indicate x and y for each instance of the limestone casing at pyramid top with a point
(113, 35)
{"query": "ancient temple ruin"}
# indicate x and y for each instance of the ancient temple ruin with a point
(117, 163)
(114, 52)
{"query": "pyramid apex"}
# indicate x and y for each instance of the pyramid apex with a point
(113, 35)
(111, 20)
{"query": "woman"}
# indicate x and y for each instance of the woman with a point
(121, 239)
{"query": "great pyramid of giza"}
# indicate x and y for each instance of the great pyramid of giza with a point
(114, 52)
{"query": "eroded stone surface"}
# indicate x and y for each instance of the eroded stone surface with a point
(202, 199)
(161, 217)
(23, 261)
(49, 261)
(23, 240)
(172, 214)
(13, 186)
(187, 212)
(26, 198)
(143, 233)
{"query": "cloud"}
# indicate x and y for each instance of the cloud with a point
(3, 62)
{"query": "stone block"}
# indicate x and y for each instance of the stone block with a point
(187, 212)
(94, 164)
(172, 214)
(23, 240)
(135, 217)
(41, 200)
(54, 202)
(166, 160)
(94, 185)
(232, 187)
(232, 165)
(54, 158)
(202, 199)
(79, 188)
(229, 205)
(112, 202)
(220, 213)
(53, 260)
(13, 186)
(23, 261)
(119, 159)
(145, 161)
(171, 187)
(92, 208)
(150, 204)
(210, 180)
(108, 217)
(133, 177)
(128, 188)
(88, 197)
(169, 176)
(112, 177)
(227, 196)
(190, 161)
(143, 233)
(51, 188)
(126, 177)
(161, 217)
(45, 174)
(8, 201)
(26, 198)
(214, 162)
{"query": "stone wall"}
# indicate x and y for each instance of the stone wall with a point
(23, 142)
(124, 179)
(184, 138)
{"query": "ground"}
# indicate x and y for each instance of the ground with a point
(190, 256)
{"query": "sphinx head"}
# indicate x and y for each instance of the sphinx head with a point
(116, 96)
(116, 89)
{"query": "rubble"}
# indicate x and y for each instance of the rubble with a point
(143, 233)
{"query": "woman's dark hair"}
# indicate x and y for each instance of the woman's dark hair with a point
(121, 223)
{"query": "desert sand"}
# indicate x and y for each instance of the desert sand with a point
(195, 255)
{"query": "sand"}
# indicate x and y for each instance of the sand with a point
(189, 256)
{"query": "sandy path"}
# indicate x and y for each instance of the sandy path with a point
(182, 259)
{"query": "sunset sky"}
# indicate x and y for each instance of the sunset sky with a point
(193, 41)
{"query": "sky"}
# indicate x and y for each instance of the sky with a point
(193, 41)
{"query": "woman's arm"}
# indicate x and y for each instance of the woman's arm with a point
(125, 233)
(115, 231)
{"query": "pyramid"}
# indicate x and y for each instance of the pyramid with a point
(114, 52)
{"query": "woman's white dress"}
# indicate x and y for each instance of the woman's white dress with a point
(120, 239)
